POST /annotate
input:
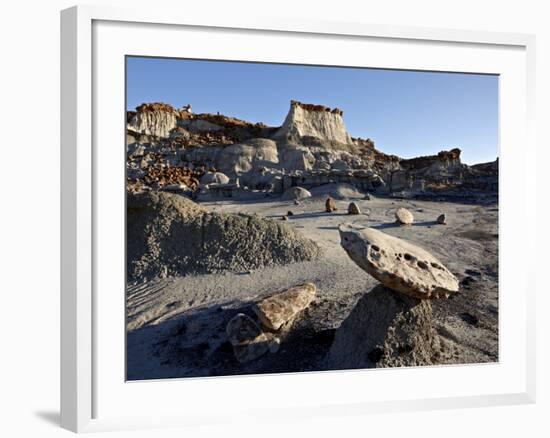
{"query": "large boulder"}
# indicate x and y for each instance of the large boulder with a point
(169, 234)
(398, 264)
(404, 216)
(282, 307)
(386, 329)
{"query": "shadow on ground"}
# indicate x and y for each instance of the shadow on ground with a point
(194, 344)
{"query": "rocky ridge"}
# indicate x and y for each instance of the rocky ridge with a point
(311, 148)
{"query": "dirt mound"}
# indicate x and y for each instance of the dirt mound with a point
(337, 191)
(168, 234)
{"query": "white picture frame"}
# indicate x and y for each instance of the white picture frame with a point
(89, 323)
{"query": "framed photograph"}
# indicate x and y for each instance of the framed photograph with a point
(322, 216)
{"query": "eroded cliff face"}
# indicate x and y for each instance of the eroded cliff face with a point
(155, 119)
(305, 121)
(312, 148)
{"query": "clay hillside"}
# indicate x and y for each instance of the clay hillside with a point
(213, 155)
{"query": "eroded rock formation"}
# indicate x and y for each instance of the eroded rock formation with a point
(312, 148)
(398, 264)
(314, 121)
(386, 329)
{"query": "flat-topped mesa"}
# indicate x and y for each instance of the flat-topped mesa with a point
(314, 121)
(156, 119)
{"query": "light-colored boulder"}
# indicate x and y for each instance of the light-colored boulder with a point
(214, 178)
(295, 193)
(404, 216)
(398, 264)
(353, 208)
(248, 340)
(282, 307)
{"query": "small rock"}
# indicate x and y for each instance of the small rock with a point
(442, 219)
(367, 197)
(404, 216)
(353, 208)
(284, 218)
(398, 264)
(289, 213)
(296, 202)
(281, 307)
(330, 205)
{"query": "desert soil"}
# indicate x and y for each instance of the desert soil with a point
(176, 326)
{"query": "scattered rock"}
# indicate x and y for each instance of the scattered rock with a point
(289, 213)
(296, 202)
(367, 197)
(282, 307)
(247, 339)
(330, 205)
(284, 218)
(404, 216)
(386, 329)
(353, 208)
(398, 264)
(442, 219)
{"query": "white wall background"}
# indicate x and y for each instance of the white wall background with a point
(29, 214)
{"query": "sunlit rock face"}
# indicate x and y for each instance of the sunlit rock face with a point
(154, 119)
(313, 121)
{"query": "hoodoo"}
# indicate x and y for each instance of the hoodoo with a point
(317, 121)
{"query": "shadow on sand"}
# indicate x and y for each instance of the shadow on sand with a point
(397, 225)
(194, 344)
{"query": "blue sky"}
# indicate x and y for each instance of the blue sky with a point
(406, 113)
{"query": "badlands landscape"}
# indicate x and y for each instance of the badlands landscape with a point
(254, 249)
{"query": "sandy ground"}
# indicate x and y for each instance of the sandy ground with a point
(176, 326)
